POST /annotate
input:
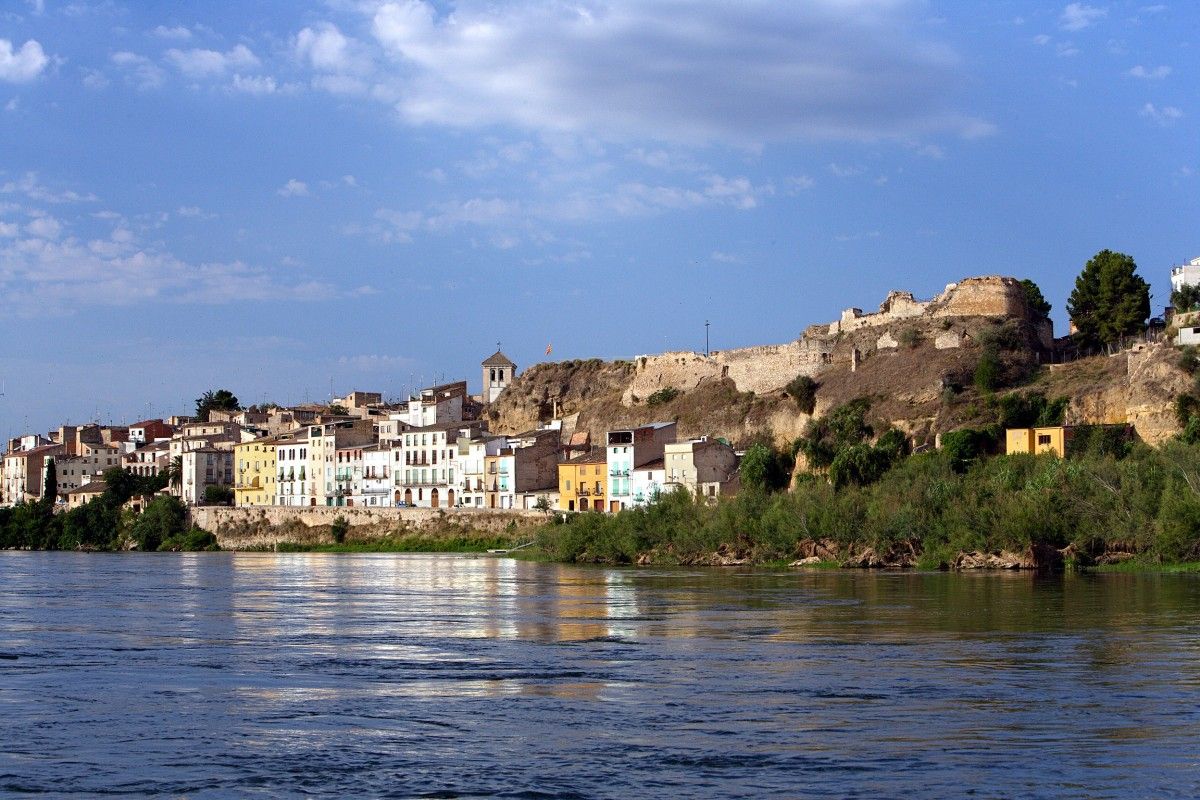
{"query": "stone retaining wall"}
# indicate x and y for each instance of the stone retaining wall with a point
(265, 526)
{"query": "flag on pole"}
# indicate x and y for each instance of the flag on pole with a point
(549, 347)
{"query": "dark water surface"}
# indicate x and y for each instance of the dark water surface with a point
(215, 675)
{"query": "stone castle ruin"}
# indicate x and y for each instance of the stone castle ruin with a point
(950, 320)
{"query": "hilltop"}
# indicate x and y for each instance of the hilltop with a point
(913, 360)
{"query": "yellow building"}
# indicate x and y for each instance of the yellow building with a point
(254, 472)
(583, 482)
(1037, 440)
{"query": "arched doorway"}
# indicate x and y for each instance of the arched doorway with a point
(408, 497)
(583, 504)
(450, 499)
(399, 497)
(433, 498)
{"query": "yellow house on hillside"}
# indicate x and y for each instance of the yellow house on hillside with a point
(583, 482)
(1037, 440)
(254, 472)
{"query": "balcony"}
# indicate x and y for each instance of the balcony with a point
(583, 492)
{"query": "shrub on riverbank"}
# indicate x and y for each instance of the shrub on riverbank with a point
(1146, 503)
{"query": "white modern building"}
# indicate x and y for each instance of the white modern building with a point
(375, 485)
(1185, 274)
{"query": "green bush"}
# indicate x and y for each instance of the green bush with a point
(339, 528)
(662, 396)
(803, 390)
(163, 519)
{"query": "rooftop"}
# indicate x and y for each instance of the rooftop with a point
(497, 359)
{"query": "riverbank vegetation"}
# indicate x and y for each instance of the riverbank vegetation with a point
(865, 502)
(105, 523)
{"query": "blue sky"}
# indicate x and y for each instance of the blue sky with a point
(270, 196)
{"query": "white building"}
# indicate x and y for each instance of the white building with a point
(204, 467)
(1185, 274)
(292, 484)
(629, 449)
(473, 452)
(324, 441)
(430, 455)
(347, 475)
(375, 485)
(437, 405)
(646, 482)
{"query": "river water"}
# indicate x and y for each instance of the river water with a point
(216, 675)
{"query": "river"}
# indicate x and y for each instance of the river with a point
(216, 675)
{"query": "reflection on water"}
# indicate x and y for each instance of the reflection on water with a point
(216, 674)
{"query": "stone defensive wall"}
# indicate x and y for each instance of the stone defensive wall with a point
(769, 368)
(265, 526)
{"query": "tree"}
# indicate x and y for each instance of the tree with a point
(215, 494)
(174, 472)
(803, 390)
(1185, 298)
(50, 483)
(163, 518)
(338, 410)
(764, 469)
(1033, 296)
(1110, 300)
(220, 400)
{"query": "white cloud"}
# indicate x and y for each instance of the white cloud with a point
(31, 186)
(1165, 116)
(375, 363)
(326, 49)
(94, 79)
(847, 170)
(176, 33)
(116, 271)
(44, 228)
(201, 63)
(800, 183)
(1041, 39)
(1077, 16)
(13, 104)
(9, 230)
(140, 71)
(685, 71)
(1158, 73)
(254, 84)
(294, 188)
(726, 258)
(21, 65)
(1066, 49)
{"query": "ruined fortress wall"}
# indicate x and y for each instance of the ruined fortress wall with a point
(769, 368)
(761, 369)
(990, 296)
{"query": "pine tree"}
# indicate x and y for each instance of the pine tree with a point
(1110, 300)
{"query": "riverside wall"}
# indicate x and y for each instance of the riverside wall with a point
(265, 526)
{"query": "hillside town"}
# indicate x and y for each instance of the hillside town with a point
(434, 450)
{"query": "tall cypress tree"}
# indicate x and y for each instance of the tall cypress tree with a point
(50, 483)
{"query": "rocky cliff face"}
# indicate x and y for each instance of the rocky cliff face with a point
(903, 357)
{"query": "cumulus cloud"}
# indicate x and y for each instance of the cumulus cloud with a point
(294, 188)
(326, 49)
(1158, 73)
(23, 64)
(1165, 116)
(201, 63)
(1077, 16)
(690, 71)
(254, 84)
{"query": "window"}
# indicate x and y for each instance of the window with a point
(569, 489)
(1043, 438)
